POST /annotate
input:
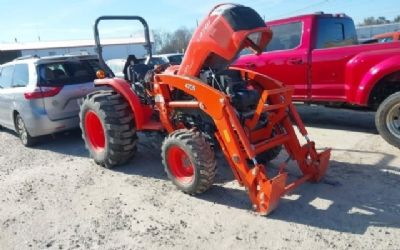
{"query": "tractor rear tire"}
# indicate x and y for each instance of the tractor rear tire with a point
(387, 119)
(189, 161)
(108, 128)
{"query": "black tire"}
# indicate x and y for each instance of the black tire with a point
(269, 155)
(198, 151)
(23, 134)
(117, 124)
(387, 119)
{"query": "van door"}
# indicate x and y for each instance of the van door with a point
(6, 96)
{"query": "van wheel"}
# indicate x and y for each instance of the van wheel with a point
(23, 134)
(387, 119)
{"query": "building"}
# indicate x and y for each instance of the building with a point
(112, 48)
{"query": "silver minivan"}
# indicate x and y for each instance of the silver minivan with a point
(40, 96)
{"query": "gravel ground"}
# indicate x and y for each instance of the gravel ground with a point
(54, 196)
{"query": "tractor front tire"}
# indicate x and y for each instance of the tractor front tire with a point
(108, 128)
(387, 119)
(189, 161)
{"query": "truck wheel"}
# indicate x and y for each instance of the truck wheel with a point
(23, 134)
(189, 161)
(269, 155)
(108, 128)
(387, 119)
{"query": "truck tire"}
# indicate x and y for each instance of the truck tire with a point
(108, 128)
(387, 119)
(23, 134)
(189, 161)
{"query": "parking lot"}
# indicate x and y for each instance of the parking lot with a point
(54, 196)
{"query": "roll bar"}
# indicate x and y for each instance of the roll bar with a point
(99, 48)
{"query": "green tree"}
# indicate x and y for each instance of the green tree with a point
(397, 19)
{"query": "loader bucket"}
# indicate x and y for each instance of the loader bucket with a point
(322, 165)
(270, 193)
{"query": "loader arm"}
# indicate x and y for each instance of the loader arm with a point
(235, 138)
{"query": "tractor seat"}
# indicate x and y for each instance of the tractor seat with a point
(137, 72)
(134, 71)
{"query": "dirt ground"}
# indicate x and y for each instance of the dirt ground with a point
(54, 196)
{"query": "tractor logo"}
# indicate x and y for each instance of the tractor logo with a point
(190, 87)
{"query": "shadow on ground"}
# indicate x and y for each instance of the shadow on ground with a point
(352, 197)
(350, 120)
(68, 143)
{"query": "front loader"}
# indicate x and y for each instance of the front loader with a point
(203, 105)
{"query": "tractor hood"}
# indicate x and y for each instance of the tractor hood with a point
(227, 30)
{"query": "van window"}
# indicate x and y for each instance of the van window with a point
(175, 59)
(67, 72)
(21, 75)
(285, 36)
(158, 61)
(6, 77)
(335, 32)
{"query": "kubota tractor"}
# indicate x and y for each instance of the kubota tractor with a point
(201, 106)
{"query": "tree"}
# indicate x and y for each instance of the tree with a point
(382, 20)
(172, 42)
(397, 19)
(368, 21)
(374, 21)
(160, 38)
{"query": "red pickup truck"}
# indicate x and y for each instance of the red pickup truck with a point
(320, 56)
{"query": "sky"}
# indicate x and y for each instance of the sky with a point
(49, 20)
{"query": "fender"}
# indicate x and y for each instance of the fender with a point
(371, 77)
(140, 112)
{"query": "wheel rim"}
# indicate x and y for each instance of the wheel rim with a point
(94, 131)
(393, 120)
(23, 134)
(180, 164)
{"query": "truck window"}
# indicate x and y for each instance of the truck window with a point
(335, 32)
(285, 36)
(21, 75)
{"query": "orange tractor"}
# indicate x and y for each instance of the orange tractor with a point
(203, 105)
